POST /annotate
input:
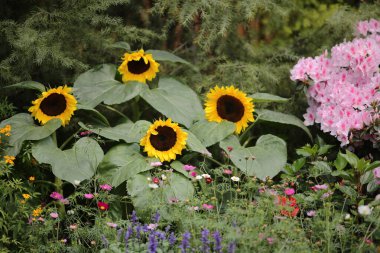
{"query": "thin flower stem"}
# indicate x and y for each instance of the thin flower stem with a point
(58, 184)
(243, 135)
(213, 160)
(68, 140)
(115, 110)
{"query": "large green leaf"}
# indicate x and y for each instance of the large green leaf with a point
(210, 133)
(175, 187)
(121, 163)
(175, 100)
(266, 159)
(99, 85)
(194, 144)
(23, 128)
(282, 118)
(266, 97)
(159, 55)
(78, 163)
(122, 45)
(129, 132)
(28, 85)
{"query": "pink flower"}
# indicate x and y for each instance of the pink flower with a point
(227, 172)
(41, 219)
(106, 187)
(152, 226)
(311, 213)
(376, 172)
(56, 195)
(318, 187)
(54, 215)
(89, 195)
(229, 148)
(326, 195)
(73, 226)
(64, 201)
(155, 164)
(193, 174)
(194, 208)
(188, 167)
(208, 207)
(289, 191)
(270, 240)
(112, 225)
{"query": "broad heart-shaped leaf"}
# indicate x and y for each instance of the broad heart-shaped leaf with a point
(266, 97)
(100, 117)
(23, 128)
(28, 85)
(194, 144)
(78, 163)
(99, 85)
(282, 118)
(121, 44)
(159, 55)
(210, 133)
(175, 100)
(129, 132)
(175, 187)
(121, 163)
(266, 159)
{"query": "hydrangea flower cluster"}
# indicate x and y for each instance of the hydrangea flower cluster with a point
(343, 91)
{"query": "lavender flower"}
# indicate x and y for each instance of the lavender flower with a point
(172, 239)
(134, 218)
(161, 235)
(218, 242)
(156, 217)
(127, 236)
(152, 246)
(138, 231)
(232, 247)
(185, 244)
(167, 228)
(104, 241)
(119, 234)
(205, 241)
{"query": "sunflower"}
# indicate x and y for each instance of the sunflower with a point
(231, 104)
(138, 66)
(164, 140)
(55, 103)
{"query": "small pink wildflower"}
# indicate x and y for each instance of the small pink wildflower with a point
(270, 240)
(376, 172)
(289, 191)
(152, 226)
(54, 215)
(56, 195)
(155, 164)
(41, 219)
(318, 187)
(208, 207)
(311, 213)
(112, 225)
(89, 195)
(193, 174)
(227, 172)
(189, 167)
(64, 201)
(106, 187)
(73, 226)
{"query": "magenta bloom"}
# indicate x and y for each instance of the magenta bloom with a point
(188, 167)
(89, 195)
(311, 213)
(289, 191)
(54, 215)
(56, 195)
(208, 207)
(193, 174)
(270, 240)
(105, 187)
(318, 187)
(376, 172)
(227, 172)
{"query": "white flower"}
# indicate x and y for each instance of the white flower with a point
(152, 226)
(235, 179)
(76, 182)
(198, 177)
(149, 179)
(364, 210)
(153, 186)
(347, 216)
(377, 197)
(163, 177)
(206, 176)
(155, 164)
(70, 212)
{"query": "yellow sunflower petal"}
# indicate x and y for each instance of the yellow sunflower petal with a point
(231, 104)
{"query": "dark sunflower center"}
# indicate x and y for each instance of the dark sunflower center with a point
(230, 108)
(165, 139)
(138, 67)
(53, 105)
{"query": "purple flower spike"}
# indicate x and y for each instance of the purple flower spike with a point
(156, 217)
(134, 218)
(205, 241)
(172, 239)
(185, 244)
(218, 242)
(152, 246)
(232, 247)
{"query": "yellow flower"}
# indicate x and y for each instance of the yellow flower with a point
(6, 130)
(138, 66)
(37, 212)
(26, 196)
(164, 140)
(32, 178)
(9, 159)
(56, 103)
(231, 104)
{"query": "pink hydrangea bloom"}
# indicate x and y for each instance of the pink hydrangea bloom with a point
(106, 187)
(56, 195)
(342, 87)
(189, 167)
(89, 195)
(289, 191)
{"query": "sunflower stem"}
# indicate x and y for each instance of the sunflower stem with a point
(58, 185)
(244, 134)
(68, 140)
(115, 110)
(215, 161)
